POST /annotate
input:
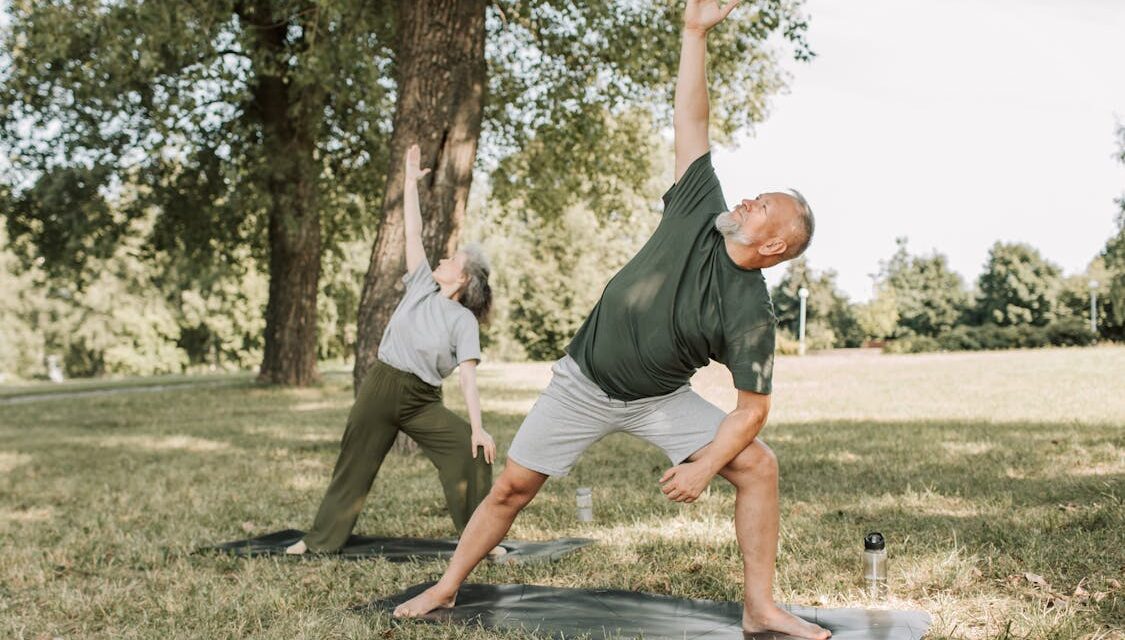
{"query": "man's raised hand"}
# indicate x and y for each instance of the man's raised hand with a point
(703, 15)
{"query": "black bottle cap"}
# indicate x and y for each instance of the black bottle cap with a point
(874, 542)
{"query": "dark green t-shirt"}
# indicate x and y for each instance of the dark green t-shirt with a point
(680, 302)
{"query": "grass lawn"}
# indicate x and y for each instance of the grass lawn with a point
(998, 479)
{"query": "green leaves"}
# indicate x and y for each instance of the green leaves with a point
(831, 320)
(930, 298)
(159, 95)
(66, 218)
(1018, 286)
(171, 112)
(580, 87)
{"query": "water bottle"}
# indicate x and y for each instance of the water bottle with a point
(585, 499)
(875, 564)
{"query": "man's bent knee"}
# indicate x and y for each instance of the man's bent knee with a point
(756, 461)
(516, 486)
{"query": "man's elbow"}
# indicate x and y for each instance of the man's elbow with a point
(752, 419)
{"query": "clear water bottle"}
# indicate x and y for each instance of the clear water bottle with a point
(875, 564)
(585, 498)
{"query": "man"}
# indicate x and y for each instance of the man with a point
(694, 292)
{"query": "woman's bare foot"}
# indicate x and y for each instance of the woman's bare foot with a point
(425, 602)
(778, 620)
(297, 548)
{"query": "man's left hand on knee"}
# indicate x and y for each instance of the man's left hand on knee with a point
(685, 482)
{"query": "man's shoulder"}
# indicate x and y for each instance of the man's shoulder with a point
(747, 295)
(698, 188)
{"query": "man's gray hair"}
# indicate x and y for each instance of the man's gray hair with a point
(476, 294)
(806, 225)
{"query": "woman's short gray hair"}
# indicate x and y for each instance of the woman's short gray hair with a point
(476, 294)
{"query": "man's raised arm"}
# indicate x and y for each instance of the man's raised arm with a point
(692, 110)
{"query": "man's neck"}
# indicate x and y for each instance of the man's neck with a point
(744, 256)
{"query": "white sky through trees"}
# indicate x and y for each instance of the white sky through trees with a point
(955, 123)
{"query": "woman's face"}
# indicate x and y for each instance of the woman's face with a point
(451, 270)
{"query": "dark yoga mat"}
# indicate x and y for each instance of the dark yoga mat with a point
(550, 612)
(400, 549)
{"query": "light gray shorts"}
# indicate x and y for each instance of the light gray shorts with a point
(573, 413)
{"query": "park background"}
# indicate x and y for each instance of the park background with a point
(193, 192)
(159, 157)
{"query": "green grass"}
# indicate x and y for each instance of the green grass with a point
(980, 469)
(25, 390)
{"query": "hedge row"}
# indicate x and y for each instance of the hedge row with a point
(1067, 332)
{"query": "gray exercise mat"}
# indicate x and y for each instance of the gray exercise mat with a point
(551, 612)
(400, 549)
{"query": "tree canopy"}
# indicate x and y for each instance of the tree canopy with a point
(266, 125)
(1018, 286)
(1113, 256)
(929, 297)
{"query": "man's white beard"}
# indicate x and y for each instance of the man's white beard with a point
(729, 227)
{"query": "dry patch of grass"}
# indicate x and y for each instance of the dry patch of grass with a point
(10, 460)
(22, 516)
(159, 443)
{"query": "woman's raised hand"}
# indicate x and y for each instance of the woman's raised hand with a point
(413, 156)
(702, 15)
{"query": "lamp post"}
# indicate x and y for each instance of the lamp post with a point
(804, 294)
(1094, 307)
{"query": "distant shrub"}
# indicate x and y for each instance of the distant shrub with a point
(1065, 332)
(993, 337)
(787, 344)
(818, 337)
(1030, 337)
(960, 339)
(912, 344)
(1070, 332)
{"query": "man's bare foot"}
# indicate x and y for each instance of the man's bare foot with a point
(297, 548)
(425, 602)
(778, 620)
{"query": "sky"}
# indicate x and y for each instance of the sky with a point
(955, 123)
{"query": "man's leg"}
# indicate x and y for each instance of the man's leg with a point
(568, 417)
(511, 492)
(754, 474)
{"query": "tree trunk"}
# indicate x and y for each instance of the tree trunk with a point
(288, 117)
(294, 262)
(441, 82)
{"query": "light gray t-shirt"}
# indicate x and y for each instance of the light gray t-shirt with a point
(429, 334)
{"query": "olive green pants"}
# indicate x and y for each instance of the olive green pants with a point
(390, 400)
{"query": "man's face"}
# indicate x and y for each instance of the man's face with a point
(770, 215)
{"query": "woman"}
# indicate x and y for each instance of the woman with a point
(433, 330)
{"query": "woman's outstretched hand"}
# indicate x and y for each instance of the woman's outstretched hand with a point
(702, 15)
(413, 156)
(482, 439)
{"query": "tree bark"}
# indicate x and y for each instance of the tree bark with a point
(441, 83)
(288, 117)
